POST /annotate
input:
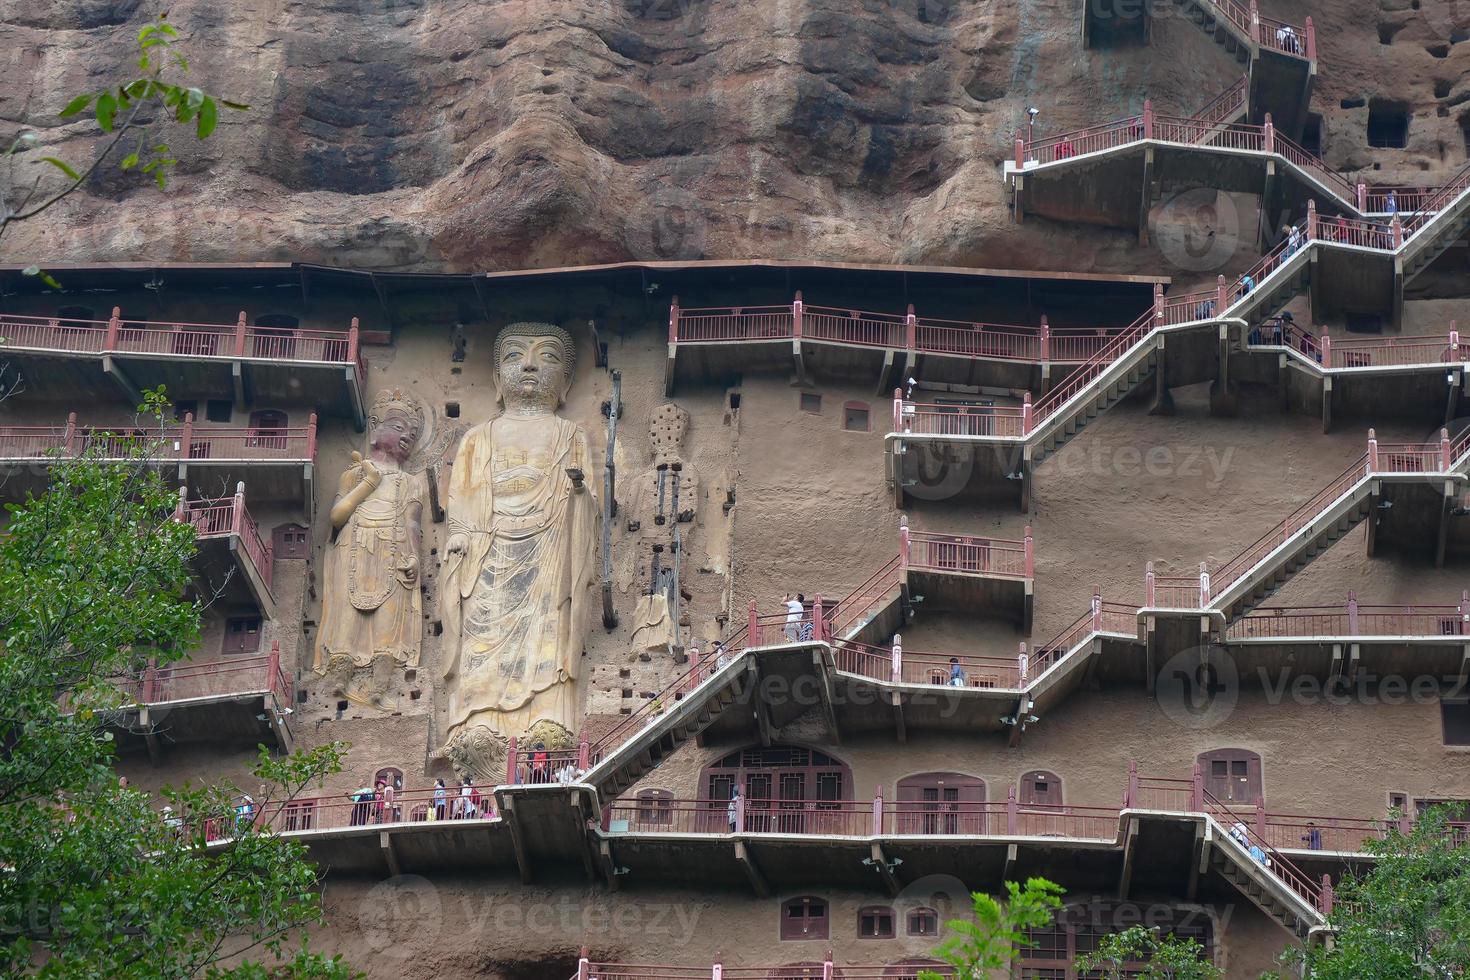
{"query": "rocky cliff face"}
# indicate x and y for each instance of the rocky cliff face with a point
(447, 135)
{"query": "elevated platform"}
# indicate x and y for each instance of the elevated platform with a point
(112, 359)
(207, 460)
(233, 562)
(241, 701)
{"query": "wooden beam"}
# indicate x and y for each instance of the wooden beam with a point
(390, 857)
(885, 871)
(1125, 880)
(752, 872)
(758, 703)
(608, 865)
(120, 377)
(517, 841)
(829, 708)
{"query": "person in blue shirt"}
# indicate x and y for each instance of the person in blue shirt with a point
(956, 674)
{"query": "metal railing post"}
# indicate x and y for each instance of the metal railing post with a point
(1454, 341)
(903, 544)
(1260, 819)
(273, 666)
(1130, 796)
(240, 335)
(1372, 451)
(740, 814)
(1204, 586)
(311, 437)
(897, 674)
(1011, 808)
(186, 444)
(1149, 584)
(878, 811)
(1045, 340)
(1444, 449)
(1352, 612)
(1148, 119)
(752, 627)
(1269, 132)
(1023, 666)
(1311, 32)
(911, 329)
(674, 321)
(113, 323)
(584, 966)
(1197, 789)
(1222, 296)
(584, 754)
(717, 969)
(796, 308)
(1328, 897)
(1362, 195)
(512, 769)
(1020, 152)
(70, 434)
(1311, 219)
(1030, 549)
(1027, 415)
(237, 515)
(1097, 609)
(354, 341)
(1326, 350)
(1396, 227)
(819, 631)
(827, 966)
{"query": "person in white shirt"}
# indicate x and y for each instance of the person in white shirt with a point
(795, 609)
(1286, 39)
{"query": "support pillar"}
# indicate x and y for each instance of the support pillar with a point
(1146, 194)
(1223, 399)
(1163, 401)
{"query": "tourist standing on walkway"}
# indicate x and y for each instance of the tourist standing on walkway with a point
(795, 609)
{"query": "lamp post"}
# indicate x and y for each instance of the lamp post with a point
(1031, 115)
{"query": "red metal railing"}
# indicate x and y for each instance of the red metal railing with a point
(240, 340)
(854, 327)
(1005, 421)
(997, 341)
(185, 681)
(825, 970)
(408, 806)
(171, 442)
(1361, 352)
(898, 665)
(1439, 200)
(1277, 864)
(970, 555)
(1353, 619)
(736, 323)
(221, 518)
(851, 609)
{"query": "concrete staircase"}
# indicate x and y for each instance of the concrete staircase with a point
(1260, 580)
(1265, 891)
(647, 746)
(1213, 21)
(1446, 227)
(1112, 386)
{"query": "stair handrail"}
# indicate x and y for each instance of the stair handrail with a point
(1435, 203)
(1289, 873)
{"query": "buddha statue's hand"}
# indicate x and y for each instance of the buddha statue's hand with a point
(458, 544)
(367, 470)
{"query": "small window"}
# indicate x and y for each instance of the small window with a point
(923, 922)
(267, 429)
(242, 634)
(290, 541)
(811, 402)
(855, 416)
(218, 410)
(1456, 718)
(875, 922)
(1388, 125)
(804, 918)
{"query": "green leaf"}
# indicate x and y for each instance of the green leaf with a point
(63, 166)
(160, 178)
(77, 104)
(194, 98)
(137, 88)
(106, 107)
(208, 117)
(130, 161)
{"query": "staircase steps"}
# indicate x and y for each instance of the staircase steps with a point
(641, 761)
(1260, 897)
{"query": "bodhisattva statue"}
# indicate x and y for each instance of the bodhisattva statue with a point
(372, 620)
(520, 560)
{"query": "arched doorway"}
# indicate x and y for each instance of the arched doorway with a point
(787, 788)
(940, 803)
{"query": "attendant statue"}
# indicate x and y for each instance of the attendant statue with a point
(372, 619)
(520, 560)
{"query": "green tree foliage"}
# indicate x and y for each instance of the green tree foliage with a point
(1168, 957)
(132, 115)
(997, 933)
(1407, 916)
(96, 880)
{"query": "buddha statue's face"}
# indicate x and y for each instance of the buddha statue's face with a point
(532, 371)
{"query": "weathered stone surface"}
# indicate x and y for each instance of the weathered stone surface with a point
(455, 136)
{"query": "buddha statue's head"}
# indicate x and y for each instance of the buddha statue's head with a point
(534, 364)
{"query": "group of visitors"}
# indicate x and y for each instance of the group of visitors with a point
(1241, 836)
(379, 803)
(798, 618)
